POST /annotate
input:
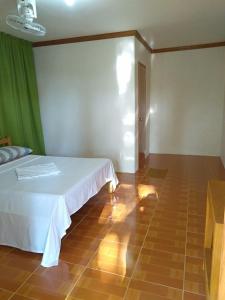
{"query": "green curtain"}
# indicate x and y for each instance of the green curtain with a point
(19, 103)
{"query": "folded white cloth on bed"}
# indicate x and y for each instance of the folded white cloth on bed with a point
(36, 171)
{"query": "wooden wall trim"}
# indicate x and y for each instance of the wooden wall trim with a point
(119, 34)
(143, 41)
(88, 38)
(190, 47)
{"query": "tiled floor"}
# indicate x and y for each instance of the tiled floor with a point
(143, 242)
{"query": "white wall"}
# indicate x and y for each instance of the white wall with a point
(87, 99)
(187, 100)
(143, 56)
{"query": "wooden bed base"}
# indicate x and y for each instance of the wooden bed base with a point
(111, 189)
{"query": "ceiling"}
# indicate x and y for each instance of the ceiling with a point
(163, 23)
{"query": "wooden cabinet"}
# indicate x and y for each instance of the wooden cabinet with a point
(215, 240)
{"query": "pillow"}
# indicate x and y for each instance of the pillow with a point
(9, 153)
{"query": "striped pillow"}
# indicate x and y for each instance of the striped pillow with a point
(12, 152)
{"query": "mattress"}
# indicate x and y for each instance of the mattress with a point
(35, 213)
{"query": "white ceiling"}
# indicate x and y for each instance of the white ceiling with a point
(163, 23)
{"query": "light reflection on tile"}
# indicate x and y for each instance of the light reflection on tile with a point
(99, 255)
(129, 233)
(115, 258)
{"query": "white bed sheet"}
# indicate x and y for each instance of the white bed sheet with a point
(35, 213)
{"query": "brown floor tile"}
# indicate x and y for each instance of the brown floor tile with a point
(39, 293)
(194, 276)
(19, 297)
(196, 224)
(149, 291)
(51, 283)
(162, 223)
(121, 212)
(147, 191)
(160, 267)
(15, 267)
(197, 208)
(95, 284)
(172, 206)
(132, 211)
(21, 260)
(5, 295)
(104, 211)
(75, 255)
(190, 296)
(166, 197)
(91, 226)
(167, 233)
(78, 241)
(128, 233)
(76, 219)
(197, 196)
(115, 258)
(108, 232)
(161, 213)
(65, 272)
(84, 210)
(139, 217)
(195, 245)
(11, 278)
(78, 249)
(164, 244)
(5, 250)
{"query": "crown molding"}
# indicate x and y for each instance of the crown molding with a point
(189, 47)
(119, 34)
(96, 37)
(143, 41)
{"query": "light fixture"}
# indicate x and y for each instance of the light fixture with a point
(69, 2)
(24, 20)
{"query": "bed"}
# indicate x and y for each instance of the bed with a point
(35, 213)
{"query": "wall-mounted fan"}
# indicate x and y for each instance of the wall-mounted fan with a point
(24, 21)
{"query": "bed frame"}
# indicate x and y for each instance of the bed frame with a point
(6, 141)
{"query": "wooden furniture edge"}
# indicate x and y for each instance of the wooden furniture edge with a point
(6, 141)
(214, 242)
(221, 292)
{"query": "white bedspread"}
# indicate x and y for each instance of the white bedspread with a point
(35, 171)
(35, 214)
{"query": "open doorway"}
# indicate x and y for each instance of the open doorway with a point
(141, 114)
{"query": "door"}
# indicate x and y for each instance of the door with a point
(141, 113)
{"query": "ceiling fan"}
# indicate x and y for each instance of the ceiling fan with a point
(24, 20)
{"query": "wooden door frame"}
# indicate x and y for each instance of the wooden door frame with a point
(141, 65)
